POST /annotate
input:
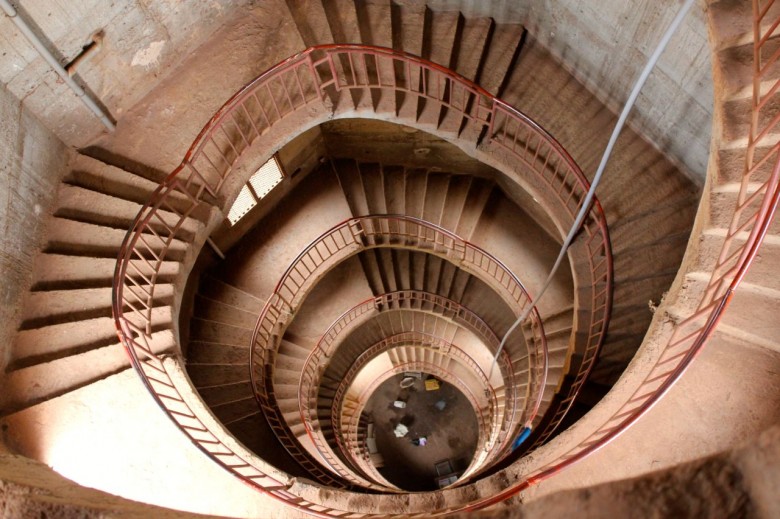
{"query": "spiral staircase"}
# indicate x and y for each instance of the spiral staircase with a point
(421, 204)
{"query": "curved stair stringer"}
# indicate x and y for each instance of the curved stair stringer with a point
(362, 342)
(298, 125)
(732, 379)
(580, 255)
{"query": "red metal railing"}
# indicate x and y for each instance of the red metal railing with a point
(345, 240)
(354, 444)
(416, 340)
(753, 213)
(411, 301)
(244, 121)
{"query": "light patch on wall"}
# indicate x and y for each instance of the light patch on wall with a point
(149, 56)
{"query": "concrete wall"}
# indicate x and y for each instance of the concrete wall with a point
(32, 161)
(606, 44)
(143, 39)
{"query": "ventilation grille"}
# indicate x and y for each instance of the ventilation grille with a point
(260, 184)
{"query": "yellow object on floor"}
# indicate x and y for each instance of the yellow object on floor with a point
(431, 384)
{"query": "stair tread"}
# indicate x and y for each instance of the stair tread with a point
(60, 271)
(211, 353)
(73, 237)
(214, 310)
(96, 175)
(42, 344)
(501, 50)
(78, 203)
(226, 293)
(31, 385)
(51, 307)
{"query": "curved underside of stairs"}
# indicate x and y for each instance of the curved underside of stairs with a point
(206, 309)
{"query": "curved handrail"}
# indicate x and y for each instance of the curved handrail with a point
(283, 90)
(308, 388)
(346, 239)
(691, 334)
(402, 340)
(435, 370)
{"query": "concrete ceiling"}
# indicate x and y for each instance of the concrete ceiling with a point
(604, 44)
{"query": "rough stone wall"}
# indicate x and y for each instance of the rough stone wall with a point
(142, 40)
(32, 161)
(739, 483)
(30, 489)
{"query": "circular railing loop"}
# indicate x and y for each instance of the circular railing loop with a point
(343, 241)
(301, 81)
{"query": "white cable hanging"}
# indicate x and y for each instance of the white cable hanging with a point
(599, 172)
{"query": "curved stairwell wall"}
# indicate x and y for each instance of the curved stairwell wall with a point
(712, 368)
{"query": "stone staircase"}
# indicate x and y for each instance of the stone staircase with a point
(74, 307)
(732, 375)
(67, 338)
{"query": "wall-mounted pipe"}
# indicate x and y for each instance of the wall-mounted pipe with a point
(11, 12)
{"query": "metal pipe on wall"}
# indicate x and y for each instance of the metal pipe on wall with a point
(11, 12)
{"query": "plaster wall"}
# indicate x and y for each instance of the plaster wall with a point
(606, 44)
(142, 39)
(32, 161)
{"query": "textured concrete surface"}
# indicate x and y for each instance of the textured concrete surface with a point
(742, 482)
(30, 489)
(674, 109)
(142, 40)
(141, 456)
(32, 161)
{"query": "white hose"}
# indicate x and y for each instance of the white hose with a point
(597, 178)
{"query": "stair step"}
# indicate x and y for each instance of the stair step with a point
(85, 205)
(753, 308)
(214, 310)
(217, 374)
(731, 164)
(737, 64)
(77, 238)
(70, 338)
(472, 211)
(214, 331)
(732, 22)
(502, 48)
(438, 47)
(738, 113)
(394, 188)
(98, 176)
(408, 31)
(455, 201)
(435, 195)
(62, 272)
(468, 55)
(374, 19)
(373, 187)
(62, 306)
(225, 293)
(286, 391)
(222, 393)
(308, 18)
(723, 204)
(285, 362)
(348, 174)
(229, 412)
(294, 346)
(35, 384)
(203, 352)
